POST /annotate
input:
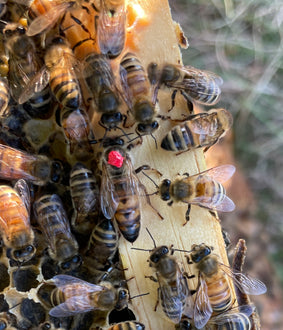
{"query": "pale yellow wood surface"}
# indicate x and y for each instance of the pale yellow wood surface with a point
(158, 43)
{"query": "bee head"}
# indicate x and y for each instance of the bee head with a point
(23, 254)
(72, 263)
(111, 120)
(147, 128)
(144, 111)
(123, 298)
(158, 253)
(164, 190)
(199, 252)
(169, 73)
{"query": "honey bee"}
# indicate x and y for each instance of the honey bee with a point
(58, 71)
(137, 89)
(78, 132)
(52, 218)
(194, 84)
(185, 323)
(103, 243)
(129, 325)
(200, 130)
(174, 293)
(39, 169)
(120, 190)
(99, 78)
(214, 292)
(84, 192)
(15, 227)
(111, 27)
(24, 63)
(203, 189)
(72, 296)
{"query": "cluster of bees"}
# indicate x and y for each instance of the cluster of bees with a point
(67, 195)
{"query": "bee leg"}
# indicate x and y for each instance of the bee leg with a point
(147, 168)
(152, 278)
(173, 97)
(149, 202)
(125, 121)
(187, 216)
(157, 301)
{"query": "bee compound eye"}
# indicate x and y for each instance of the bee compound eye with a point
(77, 259)
(30, 248)
(66, 265)
(123, 293)
(3, 325)
(164, 250)
(21, 30)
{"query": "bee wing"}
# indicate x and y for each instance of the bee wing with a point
(22, 189)
(201, 74)
(111, 30)
(202, 307)
(127, 95)
(46, 20)
(63, 280)
(220, 173)
(35, 85)
(225, 205)
(54, 212)
(246, 283)
(17, 77)
(64, 309)
(200, 125)
(108, 197)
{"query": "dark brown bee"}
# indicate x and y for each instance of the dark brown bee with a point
(214, 292)
(24, 63)
(203, 189)
(72, 296)
(137, 93)
(129, 325)
(78, 132)
(52, 218)
(103, 243)
(195, 85)
(39, 169)
(100, 80)
(111, 27)
(120, 191)
(200, 130)
(85, 197)
(174, 293)
(15, 227)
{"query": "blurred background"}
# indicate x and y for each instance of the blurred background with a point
(242, 41)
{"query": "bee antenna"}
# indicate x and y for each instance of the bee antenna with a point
(140, 249)
(124, 133)
(156, 185)
(3, 22)
(139, 295)
(182, 250)
(15, 306)
(154, 138)
(151, 237)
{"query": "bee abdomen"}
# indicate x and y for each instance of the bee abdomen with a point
(65, 88)
(242, 322)
(219, 294)
(178, 139)
(130, 325)
(4, 96)
(104, 240)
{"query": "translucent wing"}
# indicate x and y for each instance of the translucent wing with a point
(111, 30)
(108, 197)
(64, 309)
(47, 20)
(63, 280)
(52, 219)
(174, 298)
(35, 85)
(22, 189)
(224, 205)
(127, 95)
(201, 125)
(245, 283)
(202, 307)
(220, 173)
(196, 74)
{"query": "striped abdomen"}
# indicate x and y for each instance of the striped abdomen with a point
(65, 87)
(219, 292)
(180, 138)
(130, 325)
(84, 192)
(209, 191)
(78, 26)
(13, 212)
(128, 211)
(137, 80)
(103, 242)
(4, 96)
(204, 91)
(241, 322)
